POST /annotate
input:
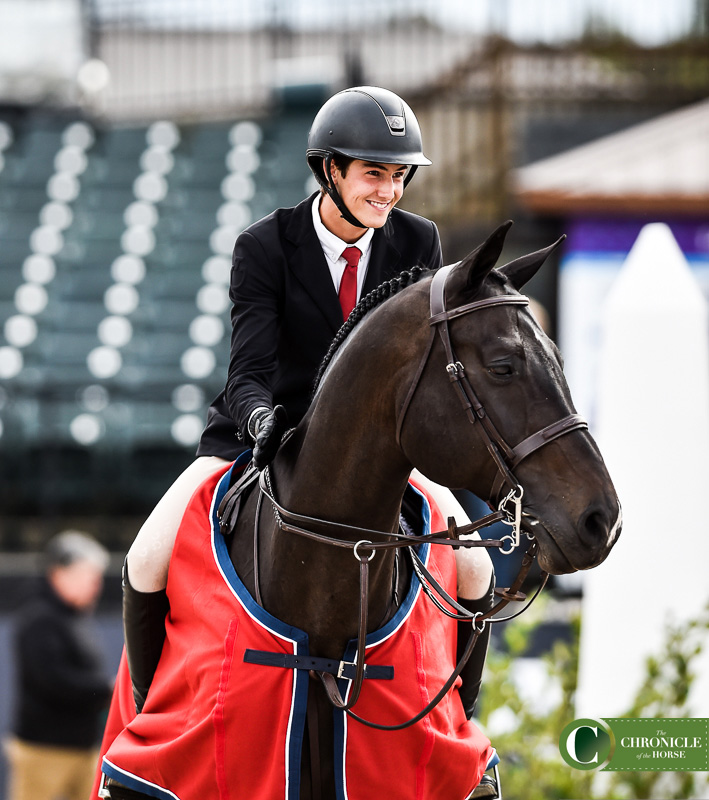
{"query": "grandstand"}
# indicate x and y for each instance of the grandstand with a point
(116, 245)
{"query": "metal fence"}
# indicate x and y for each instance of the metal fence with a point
(494, 82)
(216, 57)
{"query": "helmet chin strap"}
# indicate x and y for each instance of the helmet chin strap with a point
(330, 188)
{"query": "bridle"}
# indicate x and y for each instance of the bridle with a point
(505, 457)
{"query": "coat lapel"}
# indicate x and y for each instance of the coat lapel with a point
(309, 266)
(384, 261)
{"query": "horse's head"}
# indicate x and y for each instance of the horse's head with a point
(515, 389)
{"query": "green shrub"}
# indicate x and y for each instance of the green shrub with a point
(532, 767)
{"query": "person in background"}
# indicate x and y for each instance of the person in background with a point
(63, 687)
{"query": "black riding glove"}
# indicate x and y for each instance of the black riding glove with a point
(266, 427)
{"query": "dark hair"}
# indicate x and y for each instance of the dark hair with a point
(343, 163)
(365, 305)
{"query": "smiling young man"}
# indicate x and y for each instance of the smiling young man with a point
(292, 284)
(368, 189)
(296, 275)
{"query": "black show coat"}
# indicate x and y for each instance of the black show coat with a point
(286, 312)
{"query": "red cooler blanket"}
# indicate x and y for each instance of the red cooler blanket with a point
(215, 726)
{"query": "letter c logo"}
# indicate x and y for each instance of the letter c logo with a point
(585, 744)
(571, 744)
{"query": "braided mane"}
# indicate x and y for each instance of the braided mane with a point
(365, 305)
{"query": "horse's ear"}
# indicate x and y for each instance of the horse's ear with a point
(478, 264)
(522, 269)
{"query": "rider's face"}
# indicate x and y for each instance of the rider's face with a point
(370, 190)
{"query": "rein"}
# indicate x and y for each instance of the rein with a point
(286, 522)
(505, 457)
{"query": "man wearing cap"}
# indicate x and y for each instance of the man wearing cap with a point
(296, 276)
(63, 686)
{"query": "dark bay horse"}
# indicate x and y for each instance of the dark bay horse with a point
(350, 458)
(451, 375)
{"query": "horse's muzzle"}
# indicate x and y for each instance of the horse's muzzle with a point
(564, 549)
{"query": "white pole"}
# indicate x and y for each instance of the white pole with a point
(653, 430)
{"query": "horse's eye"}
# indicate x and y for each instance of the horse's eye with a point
(501, 369)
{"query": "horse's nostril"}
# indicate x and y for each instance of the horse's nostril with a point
(595, 526)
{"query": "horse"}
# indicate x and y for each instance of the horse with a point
(441, 377)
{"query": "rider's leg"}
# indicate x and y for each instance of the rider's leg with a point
(476, 586)
(145, 602)
(473, 670)
(475, 571)
(149, 555)
(473, 564)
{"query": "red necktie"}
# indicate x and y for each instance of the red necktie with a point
(348, 284)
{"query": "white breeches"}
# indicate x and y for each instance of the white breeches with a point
(149, 555)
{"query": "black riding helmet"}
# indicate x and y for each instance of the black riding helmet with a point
(366, 123)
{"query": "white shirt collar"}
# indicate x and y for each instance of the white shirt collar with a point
(332, 245)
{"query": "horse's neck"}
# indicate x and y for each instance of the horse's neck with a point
(346, 470)
(341, 465)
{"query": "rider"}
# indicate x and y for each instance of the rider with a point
(364, 147)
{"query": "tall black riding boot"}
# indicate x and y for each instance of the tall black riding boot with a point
(144, 633)
(472, 671)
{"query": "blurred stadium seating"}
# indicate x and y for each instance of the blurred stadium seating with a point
(115, 245)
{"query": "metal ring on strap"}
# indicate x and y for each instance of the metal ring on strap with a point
(358, 556)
